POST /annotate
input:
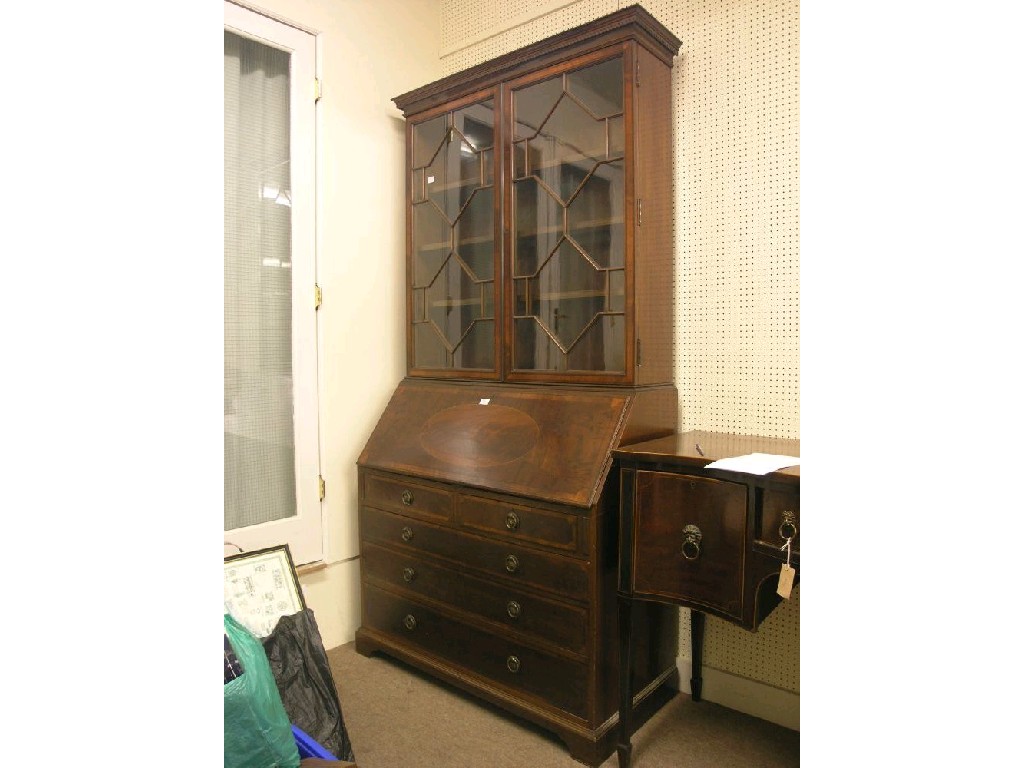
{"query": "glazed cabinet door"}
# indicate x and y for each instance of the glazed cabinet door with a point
(453, 257)
(567, 190)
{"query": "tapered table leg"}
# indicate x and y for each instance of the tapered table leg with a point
(624, 747)
(696, 652)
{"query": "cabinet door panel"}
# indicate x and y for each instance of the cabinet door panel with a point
(453, 258)
(568, 194)
(689, 539)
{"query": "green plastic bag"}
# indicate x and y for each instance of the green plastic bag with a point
(257, 732)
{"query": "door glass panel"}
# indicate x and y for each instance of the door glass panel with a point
(568, 222)
(453, 263)
(259, 432)
(596, 216)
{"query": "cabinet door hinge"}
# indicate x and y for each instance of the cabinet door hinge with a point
(638, 353)
(317, 90)
(639, 211)
(318, 297)
(637, 78)
(323, 487)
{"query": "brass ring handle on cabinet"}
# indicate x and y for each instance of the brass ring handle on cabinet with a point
(691, 542)
(406, 533)
(514, 609)
(408, 574)
(511, 563)
(410, 622)
(512, 521)
(787, 530)
(513, 664)
(407, 497)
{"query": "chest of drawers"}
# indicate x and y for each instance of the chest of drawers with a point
(499, 576)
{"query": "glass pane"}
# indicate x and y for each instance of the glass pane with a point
(453, 176)
(476, 124)
(601, 348)
(259, 436)
(426, 140)
(599, 87)
(431, 243)
(474, 234)
(596, 216)
(531, 106)
(428, 349)
(567, 294)
(617, 290)
(616, 137)
(453, 301)
(476, 352)
(534, 349)
(538, 220)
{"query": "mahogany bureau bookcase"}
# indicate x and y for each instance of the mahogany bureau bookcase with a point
(539, 339)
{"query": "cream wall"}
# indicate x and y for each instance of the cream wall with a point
(368, 51)
(735, 90)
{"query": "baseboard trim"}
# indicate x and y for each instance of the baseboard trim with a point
(748, 696)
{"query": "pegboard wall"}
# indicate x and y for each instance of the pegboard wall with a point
(736, 92)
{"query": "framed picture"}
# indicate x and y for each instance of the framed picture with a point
(260, 587)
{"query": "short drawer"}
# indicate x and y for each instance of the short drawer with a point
(556, 573)
(522, 523)
(501, 660)
(689, 539)
(561, 625)
(412, 498)
(780, 519)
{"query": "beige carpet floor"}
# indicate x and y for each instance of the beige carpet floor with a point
(398, 717)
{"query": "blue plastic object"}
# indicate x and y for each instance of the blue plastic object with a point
(308, 747)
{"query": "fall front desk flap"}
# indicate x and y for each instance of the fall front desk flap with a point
(546, 443)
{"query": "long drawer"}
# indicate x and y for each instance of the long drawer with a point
(502, 660)
(563, 575)
(546, 620)
(520, 523)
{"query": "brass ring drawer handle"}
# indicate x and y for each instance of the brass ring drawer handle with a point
(513, 664)
(407, 497)
(514, 609)
(691, 542)
(787, 530)
(511, 563)
(512, 521)
(410, 622)
(408, 574)
(406, 533)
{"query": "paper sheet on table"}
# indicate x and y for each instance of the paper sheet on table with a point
(755, 463)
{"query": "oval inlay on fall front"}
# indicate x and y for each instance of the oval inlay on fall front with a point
(479, 435)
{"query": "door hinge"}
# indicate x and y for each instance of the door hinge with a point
(638, 353)
(639, 212)
(637, 78)
(317, 90)
(323, 487)
(318, 297)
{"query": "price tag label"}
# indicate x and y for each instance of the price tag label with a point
(786, 576)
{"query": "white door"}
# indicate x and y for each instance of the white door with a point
(271, 435)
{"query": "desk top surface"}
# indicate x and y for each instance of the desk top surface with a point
(681, 449)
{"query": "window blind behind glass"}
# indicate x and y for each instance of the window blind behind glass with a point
(259, 455)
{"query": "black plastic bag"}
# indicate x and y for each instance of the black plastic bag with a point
(299, 663)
